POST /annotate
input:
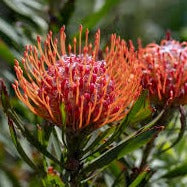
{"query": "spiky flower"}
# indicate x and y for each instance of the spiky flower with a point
(93, 91)
(165, 72)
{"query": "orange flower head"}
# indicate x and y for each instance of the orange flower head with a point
(93, 91)
(165, 74)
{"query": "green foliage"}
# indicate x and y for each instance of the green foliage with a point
(19, 147)
(178, 171)
(54, 180)
(124, 147)
(141, 109)
(116, 149)
(91, 20)
(6, 54)
(30, 22)
(139, 179)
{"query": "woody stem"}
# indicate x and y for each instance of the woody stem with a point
(73, 158)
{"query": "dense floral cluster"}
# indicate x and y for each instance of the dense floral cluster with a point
(165, 71)
(94, 91)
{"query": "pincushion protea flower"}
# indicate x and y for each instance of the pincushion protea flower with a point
(165, 73)
(94, 92)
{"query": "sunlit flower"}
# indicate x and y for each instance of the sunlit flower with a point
(94, 91)
(165, 73)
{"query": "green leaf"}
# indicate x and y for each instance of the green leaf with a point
(44, 133)
(31, 139)
(19, 147)
(182, 129)
(99, 138)
(4, 97)
(119, 171)
(63, 113)
(9, 31)
(115, 134)
(33, 4)
(141, 104)
(151, 123)
(95, 17)
(178, 171)
(21, 9)
(11, 176)
(139, 179)
(120, 129)
(126, 146)
(92, 19)
(6, 54)
(56, 144)
(141, 109)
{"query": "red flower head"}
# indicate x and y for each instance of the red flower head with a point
(94, 91)
(165, 74)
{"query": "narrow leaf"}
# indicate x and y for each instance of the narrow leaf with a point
(141, 105)
(141, 109)
(19, 147)
(6, 54)
(56, 143)
(178, 171)
(9, 30)
(63, 114)
(32, 140)
(182, 129)
(93, 18)
(139, 179)
(121, 149)
(99, 138)
(120, 129)
(4, 96)
(11, 175)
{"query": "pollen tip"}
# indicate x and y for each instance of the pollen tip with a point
(26, 47)
(16, 83)
(16, 63)
(14, 86)
(55, 41)
(168, 35)
(62, 28)
(50, 33)
(80, 27)
(85, 50)
(30, 47)
(87, 30)
(38, 39)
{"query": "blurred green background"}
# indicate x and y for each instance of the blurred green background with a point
(22, 20)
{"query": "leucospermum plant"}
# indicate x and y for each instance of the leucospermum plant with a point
(165, 74)
(164, 68)
(165, 71)
(87, 101)
(93, 92)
